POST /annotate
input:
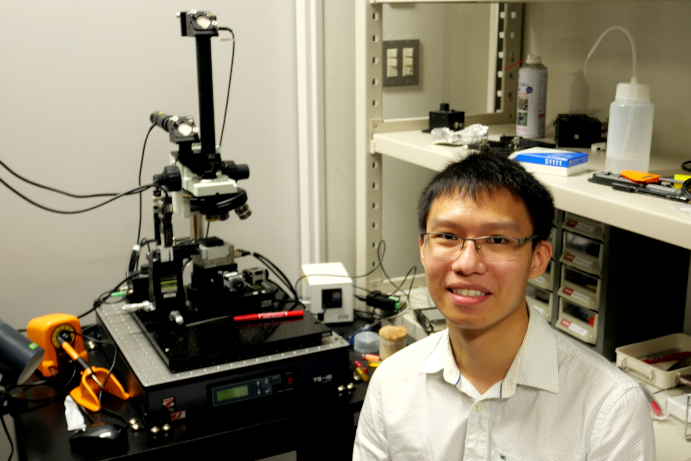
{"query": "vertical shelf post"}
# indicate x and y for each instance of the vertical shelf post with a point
(368, 94)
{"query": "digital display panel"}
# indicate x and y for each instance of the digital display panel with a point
(232, 393)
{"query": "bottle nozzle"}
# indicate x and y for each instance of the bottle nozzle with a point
(633, 49)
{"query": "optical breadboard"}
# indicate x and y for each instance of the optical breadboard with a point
(293, 374)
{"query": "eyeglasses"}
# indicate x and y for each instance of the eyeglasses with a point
(490, 247)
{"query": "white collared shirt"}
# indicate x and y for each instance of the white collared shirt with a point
(558, 401)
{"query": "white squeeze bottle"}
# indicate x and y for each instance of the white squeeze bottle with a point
(630, 129)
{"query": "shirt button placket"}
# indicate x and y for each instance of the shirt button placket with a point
(477, 433)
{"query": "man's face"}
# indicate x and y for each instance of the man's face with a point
(470, 292)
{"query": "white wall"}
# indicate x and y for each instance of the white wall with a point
(564, 33)
(78, 80)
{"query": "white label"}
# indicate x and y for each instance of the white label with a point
(573, 327)
(537, 308)
(585, 227)
(579, 261)
(532, 102)
(541, 279)
(580, 296)
(579, 330)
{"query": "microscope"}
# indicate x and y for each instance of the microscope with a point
(203, 353)
(197, 185)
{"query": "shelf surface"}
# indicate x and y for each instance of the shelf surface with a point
(651, 216)
(481, 1)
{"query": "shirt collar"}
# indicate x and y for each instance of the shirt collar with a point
(442, 358)
(539, 365)
(535, 364)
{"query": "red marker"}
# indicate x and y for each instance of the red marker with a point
(360, 366)
(268, 316)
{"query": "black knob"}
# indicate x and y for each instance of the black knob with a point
(170, 178)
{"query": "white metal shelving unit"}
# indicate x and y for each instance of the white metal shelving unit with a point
(372, 129)
(402, 139)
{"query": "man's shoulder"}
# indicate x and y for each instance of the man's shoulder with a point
(582, 366)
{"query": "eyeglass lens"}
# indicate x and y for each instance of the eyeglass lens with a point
(494, 248)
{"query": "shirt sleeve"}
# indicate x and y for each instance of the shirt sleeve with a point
(624, 430)
(370, 438)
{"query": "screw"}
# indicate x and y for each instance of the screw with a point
(134, 424)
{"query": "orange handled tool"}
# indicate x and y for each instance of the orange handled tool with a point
(93, 382)
(650, 178)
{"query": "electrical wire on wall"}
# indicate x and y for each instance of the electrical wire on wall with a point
(112, 196)
(230, 79)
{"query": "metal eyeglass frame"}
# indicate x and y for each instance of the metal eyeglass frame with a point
(521, 241)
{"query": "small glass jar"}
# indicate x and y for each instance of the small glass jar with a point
(391, 340)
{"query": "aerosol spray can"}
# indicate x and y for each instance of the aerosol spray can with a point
(532, 98)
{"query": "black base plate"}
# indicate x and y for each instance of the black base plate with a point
(223, 341)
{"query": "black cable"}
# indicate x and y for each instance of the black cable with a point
(114, 414)
(686, 165)
(63, 388)
(133, 264)
(113, 361)
(110, 370)
(413, 269)
(7, 433)
(398, 288)
(686, 188)
(279, 274)
(100, 300)
(136, 190)
(139, 181)
(84, 412)
(230, 78)
(105, 194)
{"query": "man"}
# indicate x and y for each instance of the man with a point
(499, 383)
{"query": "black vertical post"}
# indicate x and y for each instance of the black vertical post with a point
(206, 94)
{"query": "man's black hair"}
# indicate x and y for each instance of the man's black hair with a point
(490, 173)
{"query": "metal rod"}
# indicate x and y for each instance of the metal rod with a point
(206, 94)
